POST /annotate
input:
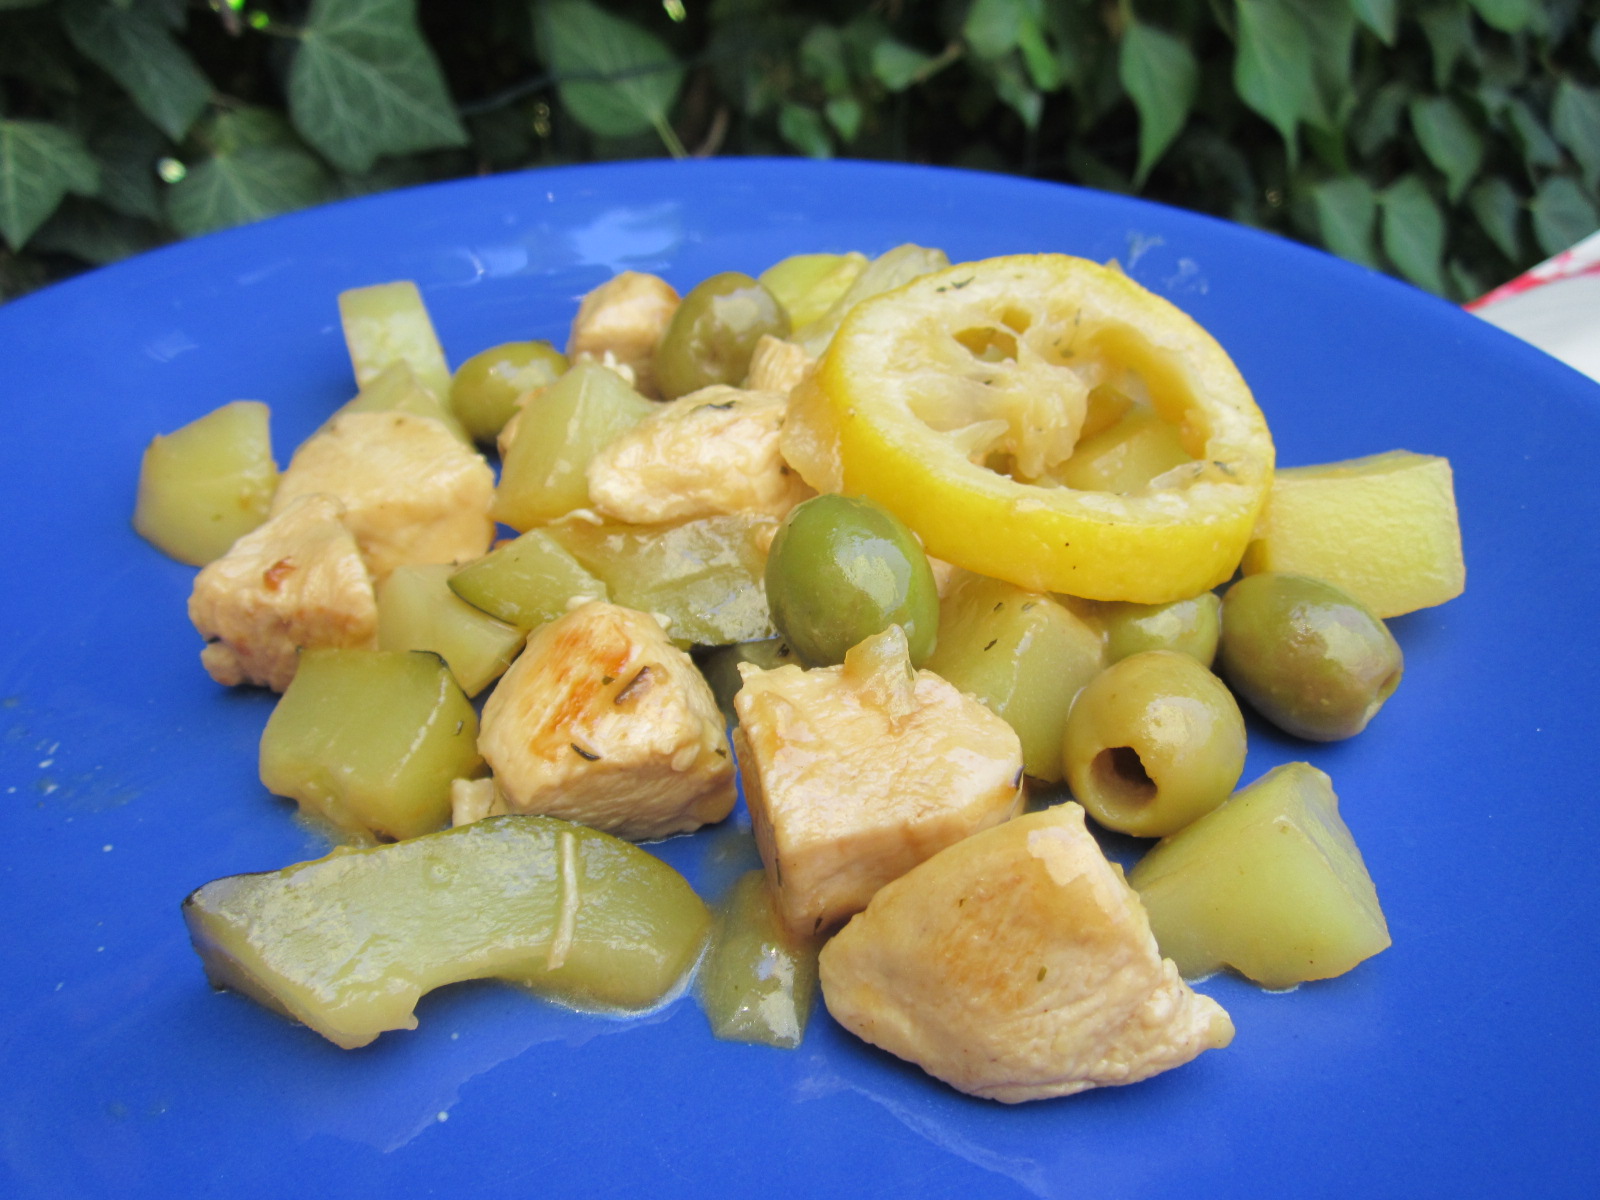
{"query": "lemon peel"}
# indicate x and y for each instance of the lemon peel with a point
(926, 387)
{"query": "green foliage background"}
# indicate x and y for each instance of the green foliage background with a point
(1453, 142)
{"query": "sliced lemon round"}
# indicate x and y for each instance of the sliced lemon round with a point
(952, 400)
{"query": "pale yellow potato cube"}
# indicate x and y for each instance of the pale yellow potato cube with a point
(1383, 528)
(1270, 884)
(388, 323)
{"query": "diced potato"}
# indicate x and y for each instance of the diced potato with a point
(1125, 456)
(808, 285)
(1017, 965)
(526, 582)
(759, 980)
(418, 611)
(397, 389)
(1023, 654)
(705, 576)
(206, 485)
(1383, 528)
(370, 740)
(891, 269)
(1270, 884)
(347, 944)
(543, 475)
(388, 323)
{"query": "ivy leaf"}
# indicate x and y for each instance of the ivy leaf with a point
(136, 49)
(994, 27)
(897, 66)
(94, 233)
(39, 164)
(615, 77)
(802, 127)
(1347, 208)
(1508, 16)
(1448, 28)
(1013, 87)
(1380, 16)
(1575, 120)
(844, 114)
(1331, 32)
(127, 150)
(1379, 122)
(1413, 232)
(822, 58)
(1499, 211)
(1044, 68)
(1161, 76)
(364, 84)
(1274, 70)
(1451, 142)
(252, 182)
(1562, 215)
(1539, 149)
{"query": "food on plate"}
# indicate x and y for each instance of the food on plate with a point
(1270, 884)
(347, 944)
(369, 740)
(1189, 626)
(854, 774)
(297, 581)
(1029, 468)
(487, 389)
(527, 581)
(622, 322)
(952, 400)
(1153, 742)
(412, 492)
(709, 453)
(603, 720)
(542, 475)
(1384, 528)
(714, 332)
(758, 979)
(204, 486)
(1306, 655)
(397, 389)
(842, 569)
(387, 323)
(418, 611)
(1024, 654)
(1015, 965)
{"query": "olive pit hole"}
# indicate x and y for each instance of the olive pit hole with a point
(1119, 776)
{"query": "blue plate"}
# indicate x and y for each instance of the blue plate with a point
(1463, 1061)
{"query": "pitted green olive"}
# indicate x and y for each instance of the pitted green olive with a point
(714, 332)
(486, 387)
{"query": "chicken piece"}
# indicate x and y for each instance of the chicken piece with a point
(1018, 965)
(602, 720)
(626, 317)
(293, 582)
(707, 454)
(855, 774)
(776, 365)
(412, 492)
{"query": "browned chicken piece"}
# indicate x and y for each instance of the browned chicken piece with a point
(626, 317)
(710, 453)
(776, 365)
(855, 774)
(295, 581)
(602, 720)
(1018, 965)
(412, 493)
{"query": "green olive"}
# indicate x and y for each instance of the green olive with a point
(842, 569)
(486, 387)
(1188, 626)
(713, 333)
(1153, 743)
(1306, 655)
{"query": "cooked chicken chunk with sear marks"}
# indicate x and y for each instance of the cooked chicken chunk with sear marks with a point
(625, 317)
(602, 720)
(412, 492)
(1018, 965)
(855, 774)
(296, 581)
